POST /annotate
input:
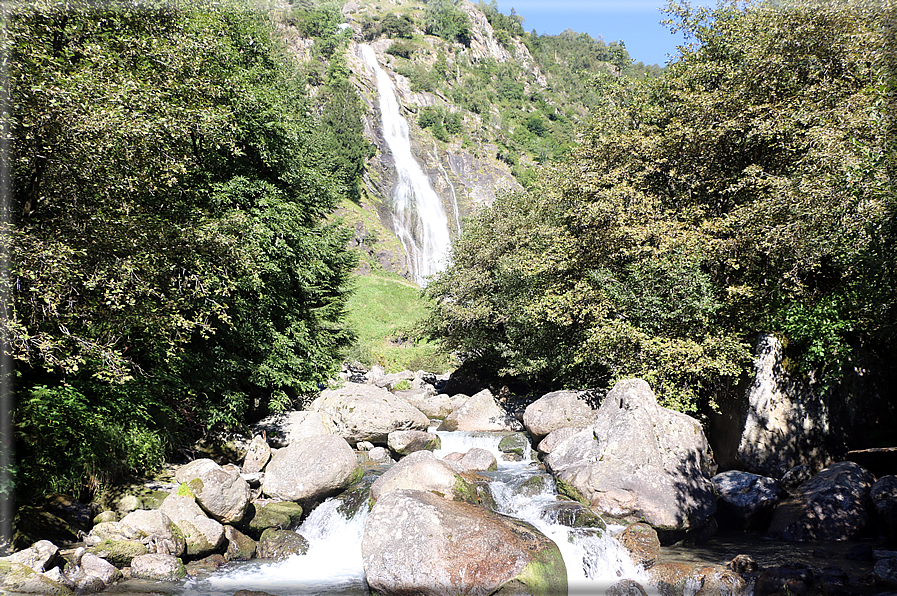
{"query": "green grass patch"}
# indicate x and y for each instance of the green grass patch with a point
(384, 311)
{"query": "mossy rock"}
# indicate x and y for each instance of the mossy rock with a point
(118, 552)
(258, 518)
(15, 577)
(514, 443)
(535, 485)
(573, 515)
(35, 523)
(356, 496)
(279, 544)
(571, 492)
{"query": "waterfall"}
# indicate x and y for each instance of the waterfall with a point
(419, 217)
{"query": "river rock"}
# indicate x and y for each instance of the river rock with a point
(746, 500)
(514, 443)
(478, 460)
(40, 556)
(433, 405)
(311, 469)
(417, 542)
(420, 471)
(119, 552)
(93, 566)
(282, 428)
(557, 437)
(194, 469)
(885, 571)
(22, 579)
(625, 587)
(830, 506)
(158, 567)
(555, 410)
(642, 543)
(884, 497)
(257, 455)
(668, 579)
(278, 514)
(367, 413)
(570, 514)
(221, 494)
(157, 532)
(240, 547)
(203, 535)
(280, 544)
(404, 442)
(480, 413)
(639, 460)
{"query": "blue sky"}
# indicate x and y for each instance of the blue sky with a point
(635, 22)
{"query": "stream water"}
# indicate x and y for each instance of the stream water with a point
(419, 219)
(333, 563)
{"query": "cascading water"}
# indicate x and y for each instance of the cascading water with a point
(420, 220)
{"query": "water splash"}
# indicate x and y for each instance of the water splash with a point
(420, 221)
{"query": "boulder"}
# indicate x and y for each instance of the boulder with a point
(639, 460)
(478, 460)
(433, 405)
(367, 413)
(421, 471)
(240, 547)
(203, 535)
(221, 494)
(480, 413)
(746, 500)
(625, 587)
(311, 469)
(93, 566)
(830, 506)
(557, 437)
(21, 579)
(514, 443)
(642, 543)
(404, 442)
(558, 409)
(119, 552)
(283, 428)
(884, 497)
(156, 531)
(279, 544)
(257, 455)
(668, 579)
(278, 514)
(380, 455)
(885, 572)
(570, 514)
(158, 567)
(194, 469)
(40, 556)
(417, 542)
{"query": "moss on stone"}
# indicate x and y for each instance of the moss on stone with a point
(546, 575)
(118, 552)
(184, 491)
(463, 491)
(570, 491)
(515, 443)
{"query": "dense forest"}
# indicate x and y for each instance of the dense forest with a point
(175, 269)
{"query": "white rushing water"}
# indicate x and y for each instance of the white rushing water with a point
(419, 218)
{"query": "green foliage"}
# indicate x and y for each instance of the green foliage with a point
(445, 19)
(391, 25)
(401, 49)
(170, 264)
(744, 191)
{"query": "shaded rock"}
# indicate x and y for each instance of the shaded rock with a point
(22, 579)
(277, 514)
(776, 581)
(719, 582)
(557, 437)
(194, 469)
(417, 542)
(884, 498)
(642, 543)
(555, 410)
(746, 500)
(119, 552)
(282, 428)
(404, 442)
(420, 471)
(367, 413)
(106, 516)
(240, 547)
(639, 460)
(830, 506)
(203, 535)
(480, 413)
(41, 556)
(160, 535)
(478, 460)
(55, 574)
(742, 564)
(794, 477)
(221, 494)
(257, 455)
(626, 587)
(158, 567)
(311, 469)
(279, 544)
(885, 571)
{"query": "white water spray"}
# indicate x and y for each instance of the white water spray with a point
(420, 220)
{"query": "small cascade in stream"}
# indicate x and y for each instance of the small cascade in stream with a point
(419, 217)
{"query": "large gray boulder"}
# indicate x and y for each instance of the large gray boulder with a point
(257, 455)
(311, 469)
(404, 442)
(832, 505)
(746, 500)
(558, 409)
(884, 497)
(639, 460)
(158, 567)
(203, 535)
(556, 437)
(480, 413)
(40, 556)
(155, 530)
(223, 495)
(194, 469)
(282, 428)
(416, 542)
(367, 413)
(18, 578)
(433, 405)
(420, 471)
